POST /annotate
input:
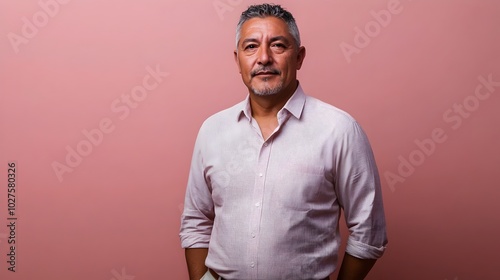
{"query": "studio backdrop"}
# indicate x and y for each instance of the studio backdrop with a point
(101, 101)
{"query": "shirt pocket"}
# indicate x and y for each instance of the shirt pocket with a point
(299, 186)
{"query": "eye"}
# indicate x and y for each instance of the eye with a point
(279, 48)
(250, 47)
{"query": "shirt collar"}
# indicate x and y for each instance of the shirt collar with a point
(294, 105)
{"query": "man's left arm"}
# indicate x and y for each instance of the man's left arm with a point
(354, 268)
(359, 192)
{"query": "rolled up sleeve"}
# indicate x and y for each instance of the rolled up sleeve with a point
(198, 215)
(360, 195)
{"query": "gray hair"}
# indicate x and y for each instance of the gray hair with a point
(269, 10)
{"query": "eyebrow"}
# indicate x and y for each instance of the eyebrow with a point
(280, 38)
(273, 39)
(248, 40)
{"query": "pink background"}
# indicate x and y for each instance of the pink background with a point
(116, 215)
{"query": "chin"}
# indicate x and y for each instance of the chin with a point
(266, 87)
(266, 91)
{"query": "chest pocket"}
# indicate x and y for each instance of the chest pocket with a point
(300, 186)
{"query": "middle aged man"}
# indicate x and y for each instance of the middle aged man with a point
(270, 175)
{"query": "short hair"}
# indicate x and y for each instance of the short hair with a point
(269, 10)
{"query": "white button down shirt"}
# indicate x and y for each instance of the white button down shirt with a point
(270, 209)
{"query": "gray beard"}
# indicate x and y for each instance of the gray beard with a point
(268, 90)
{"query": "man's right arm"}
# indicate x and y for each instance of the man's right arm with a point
(195, 259)
(198, 216)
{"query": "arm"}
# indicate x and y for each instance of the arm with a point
(359, 192)
(197, 217)
(354, 268)
(195, 259)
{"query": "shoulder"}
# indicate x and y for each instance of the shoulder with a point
(327, 114)
(222, 119)
(338, 126)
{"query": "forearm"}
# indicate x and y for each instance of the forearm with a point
(195, 259)
(353, 268)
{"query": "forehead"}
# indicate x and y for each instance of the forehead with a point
(268, 26)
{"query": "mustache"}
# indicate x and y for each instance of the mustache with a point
(266, 70)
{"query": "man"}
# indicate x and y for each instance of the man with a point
(270, 175)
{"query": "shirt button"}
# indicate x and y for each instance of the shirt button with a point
(257, 204)
(253, 235)
(265, 144)
(260, 174)
(252, 264)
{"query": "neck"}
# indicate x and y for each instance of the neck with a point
(269, 105)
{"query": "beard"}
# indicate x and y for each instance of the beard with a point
(266, 89)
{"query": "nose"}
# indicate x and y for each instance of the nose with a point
(264, 55)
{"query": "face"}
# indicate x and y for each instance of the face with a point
(267, 56)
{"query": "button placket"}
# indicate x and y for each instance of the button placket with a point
(257, 198)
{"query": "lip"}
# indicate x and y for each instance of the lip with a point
(265, 74)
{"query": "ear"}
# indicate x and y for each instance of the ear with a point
(301, 54)
(237, 61)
